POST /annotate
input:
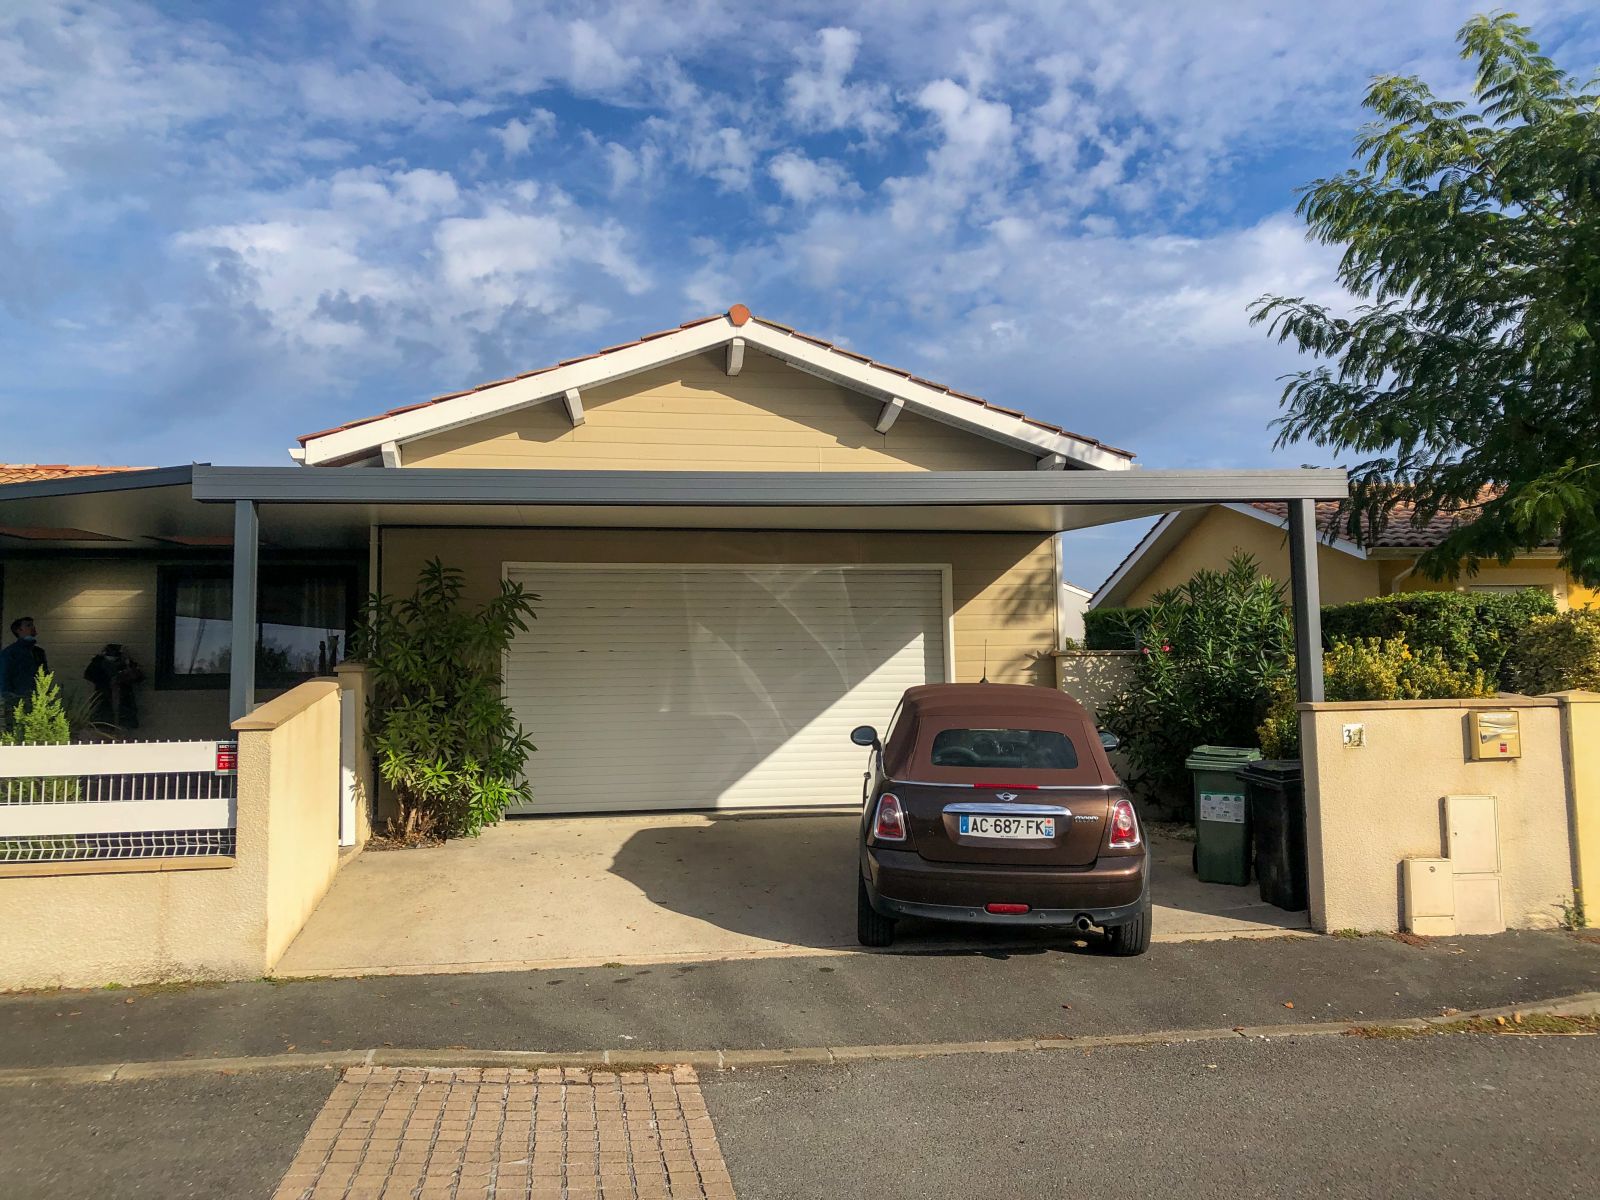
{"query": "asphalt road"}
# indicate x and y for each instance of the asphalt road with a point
(165, 1139)
(849, 999)
(1441, 1116)
(1456, 1117)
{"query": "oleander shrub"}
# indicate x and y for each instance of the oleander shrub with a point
(445, 739)
(1213, 651)
(1556, 654)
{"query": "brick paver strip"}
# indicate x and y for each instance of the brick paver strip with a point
(508, 1134)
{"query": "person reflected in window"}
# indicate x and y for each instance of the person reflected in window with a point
(20, 664)
(114, 676)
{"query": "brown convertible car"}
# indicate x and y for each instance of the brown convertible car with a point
(995, 804)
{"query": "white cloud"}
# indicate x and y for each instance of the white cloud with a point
(807, 180)
(379, 262)
(819, 95)
(517, 135)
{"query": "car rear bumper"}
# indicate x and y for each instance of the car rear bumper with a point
(901, 883)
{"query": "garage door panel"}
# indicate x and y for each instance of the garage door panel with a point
(726, 687)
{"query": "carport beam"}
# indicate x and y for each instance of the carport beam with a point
(1307, 599)
(246, 576)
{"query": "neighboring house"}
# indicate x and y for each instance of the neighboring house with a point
(1074, 600)
(1182, 543)
(744, 541)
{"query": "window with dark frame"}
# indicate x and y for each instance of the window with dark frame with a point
(304, 615)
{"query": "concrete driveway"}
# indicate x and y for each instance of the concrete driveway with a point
(551, 891)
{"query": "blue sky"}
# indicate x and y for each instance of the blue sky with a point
(225, 225)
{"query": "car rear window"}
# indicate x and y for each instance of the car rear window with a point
(1036, 749)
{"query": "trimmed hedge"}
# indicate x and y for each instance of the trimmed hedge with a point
(1114, 628)
(1556, 654)
(1474, 629)
(1471, 629)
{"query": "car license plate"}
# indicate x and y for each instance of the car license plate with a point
(982, 825)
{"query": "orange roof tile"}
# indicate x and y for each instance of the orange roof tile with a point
(34, 472)
(739, 315)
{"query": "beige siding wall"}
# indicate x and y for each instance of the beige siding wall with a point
(691, 416)
(80, 604)
(1221, 533)
(1002, 585)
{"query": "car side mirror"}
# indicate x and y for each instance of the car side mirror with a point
(1109, 740)
(864, 735)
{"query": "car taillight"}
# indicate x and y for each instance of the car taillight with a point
(890, 823)
(1006, 910)
(1124, 826)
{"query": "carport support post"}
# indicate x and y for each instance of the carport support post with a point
(246, 572)
(1307, 599)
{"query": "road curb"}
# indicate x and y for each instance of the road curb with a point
(1579, 1004)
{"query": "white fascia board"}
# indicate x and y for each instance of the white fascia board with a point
(1343, 545)
(342, 445)
(1158, 536)
(927, 401)
(506, 397)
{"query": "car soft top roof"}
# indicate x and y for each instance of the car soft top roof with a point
(994, 699)
(936, 706)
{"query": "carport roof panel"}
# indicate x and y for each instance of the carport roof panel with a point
(758, 489)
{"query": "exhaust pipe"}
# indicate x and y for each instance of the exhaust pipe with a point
(1083, 924)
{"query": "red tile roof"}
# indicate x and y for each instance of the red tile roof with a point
(739, 315)
(1402, 531)
(34, 472)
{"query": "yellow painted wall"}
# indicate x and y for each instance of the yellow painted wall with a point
(1222, 532)
(1371, 806)
(289, 768)
(1003, 585)
(691, 416)
(1520, 572)
(1581, 717)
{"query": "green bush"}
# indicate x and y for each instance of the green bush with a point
(1556, 654)
(40, 720)
(1470, 628)
(1114, 628)
(1371, 669)
(445, 739)
(1214, 651)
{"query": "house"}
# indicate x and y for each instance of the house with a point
(745, 541)
(1182, 543)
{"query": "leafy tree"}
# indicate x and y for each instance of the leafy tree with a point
(445, 739)
(1214, 651)
(1471, 371)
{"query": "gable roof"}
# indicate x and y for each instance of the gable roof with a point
(1172, 528)
(364, 437)
(1402, 532)
(45, 472)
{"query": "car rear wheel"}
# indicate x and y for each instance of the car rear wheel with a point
(872, 927)
(1127, 941)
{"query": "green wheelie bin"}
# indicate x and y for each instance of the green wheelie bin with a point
(1221, 818)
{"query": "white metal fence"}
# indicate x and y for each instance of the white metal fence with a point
(117, 800)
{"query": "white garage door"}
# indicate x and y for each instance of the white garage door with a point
(715, 687)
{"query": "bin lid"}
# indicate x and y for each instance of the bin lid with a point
(1272, 771)
(1220, 758)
